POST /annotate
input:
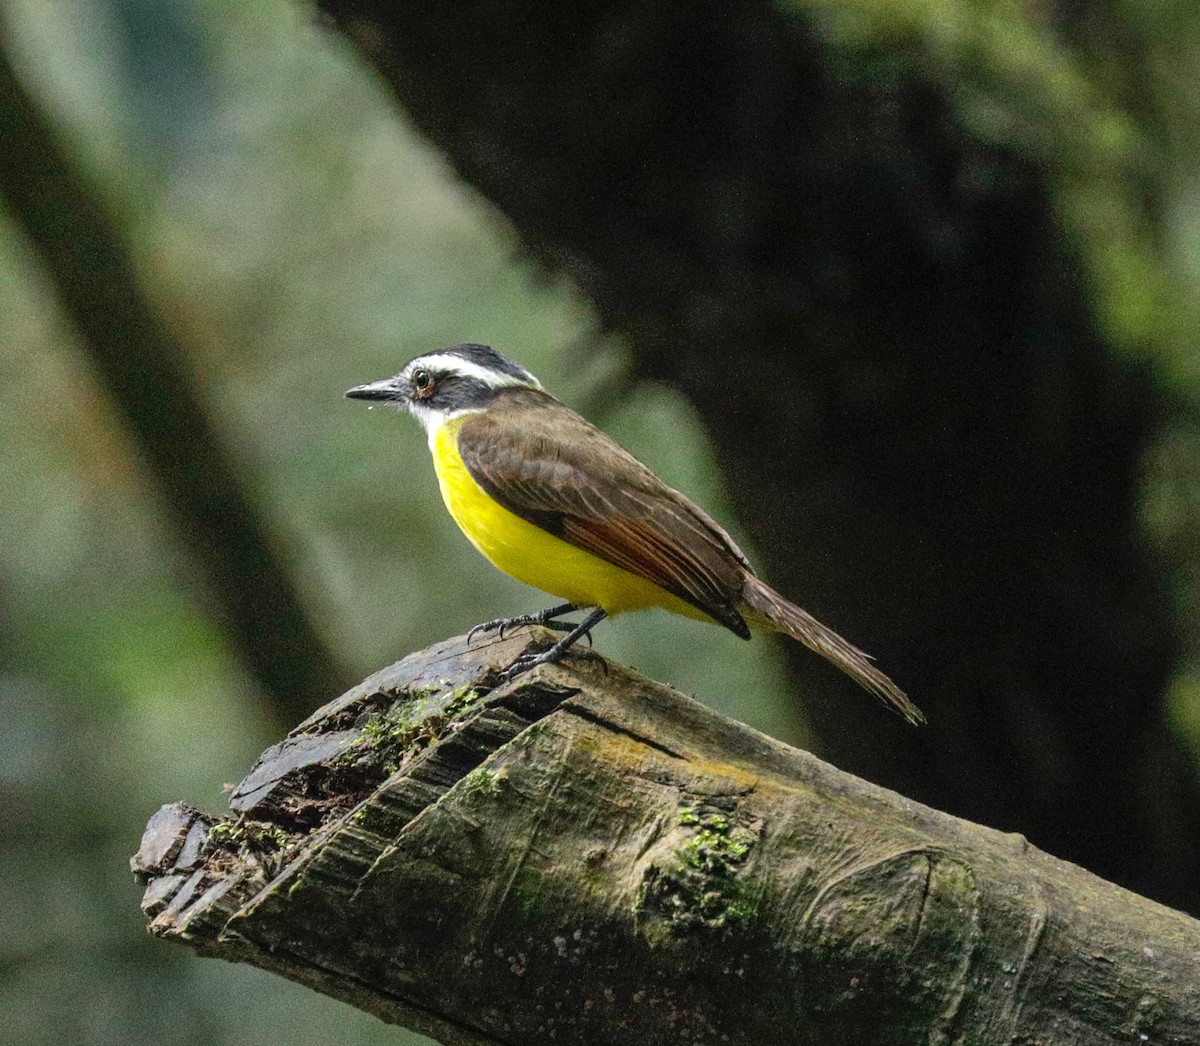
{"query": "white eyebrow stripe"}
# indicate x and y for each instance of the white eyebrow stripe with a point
(465, 368)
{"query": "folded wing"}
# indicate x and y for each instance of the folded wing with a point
(546, 464)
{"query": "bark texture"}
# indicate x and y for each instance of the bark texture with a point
(583, 855)
(838, 228)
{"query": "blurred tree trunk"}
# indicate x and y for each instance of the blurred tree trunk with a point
(916, 406)
(208, 492)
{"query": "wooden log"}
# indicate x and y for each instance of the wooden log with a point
(583, 855)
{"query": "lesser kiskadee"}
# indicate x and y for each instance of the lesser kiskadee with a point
(551, 500)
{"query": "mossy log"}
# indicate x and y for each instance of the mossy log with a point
(583, 855)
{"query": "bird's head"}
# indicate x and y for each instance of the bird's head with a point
(446, 383)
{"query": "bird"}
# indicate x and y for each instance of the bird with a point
(554, 502)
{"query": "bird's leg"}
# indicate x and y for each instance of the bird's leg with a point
(542, 617)
(527, 661)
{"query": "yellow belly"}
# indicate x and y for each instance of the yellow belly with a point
(533, 555)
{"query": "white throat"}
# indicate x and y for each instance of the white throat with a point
(432, 420)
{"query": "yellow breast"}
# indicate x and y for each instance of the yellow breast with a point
(533, 555)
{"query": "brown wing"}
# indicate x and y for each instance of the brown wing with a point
(544, 463)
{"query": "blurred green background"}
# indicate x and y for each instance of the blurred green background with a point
(299, 238)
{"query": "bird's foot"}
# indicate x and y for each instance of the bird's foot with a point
(554, 653)
(525, 662)
(542, 617)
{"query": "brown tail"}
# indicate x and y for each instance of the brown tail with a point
(767, 608)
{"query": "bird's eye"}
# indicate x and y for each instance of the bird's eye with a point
(423, 382)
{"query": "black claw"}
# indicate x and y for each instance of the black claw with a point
(514, 670)
(542, 617)
(527, 661)
(474, 632)
(523, 664)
